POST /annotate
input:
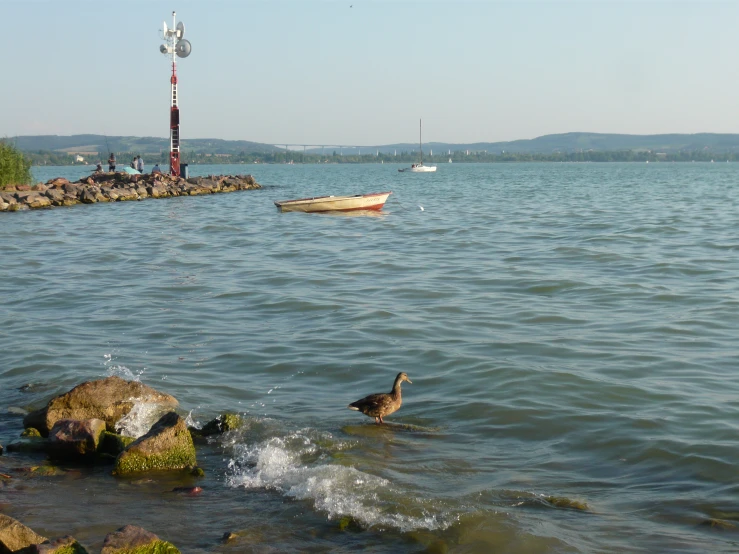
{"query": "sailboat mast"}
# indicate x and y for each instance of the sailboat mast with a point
(420, 142)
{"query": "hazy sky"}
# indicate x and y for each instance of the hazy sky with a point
(322, 72)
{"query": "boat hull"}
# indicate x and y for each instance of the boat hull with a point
(374, 201)
(421, 169)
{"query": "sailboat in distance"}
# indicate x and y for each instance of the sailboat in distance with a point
(419, 167)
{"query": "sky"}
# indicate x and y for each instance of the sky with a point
(363, 72)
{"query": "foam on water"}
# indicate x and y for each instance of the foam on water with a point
(299, 468)
(139, 420)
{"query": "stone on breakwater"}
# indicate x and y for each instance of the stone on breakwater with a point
(117, 187)
(108, 399)
(71, 439)
(167, 445)
(135, 540)
(15, 536)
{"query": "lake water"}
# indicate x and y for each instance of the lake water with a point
(570, 331)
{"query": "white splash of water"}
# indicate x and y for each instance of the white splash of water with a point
(124, 373)
(334, 489)
(139, 420)
(190, 422)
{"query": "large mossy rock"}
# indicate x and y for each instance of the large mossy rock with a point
(168, 445)
(15, 536)
(107, 399)
(63, 545)
(77, 440)
(135, 540)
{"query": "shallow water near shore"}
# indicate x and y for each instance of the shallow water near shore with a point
(570, 331)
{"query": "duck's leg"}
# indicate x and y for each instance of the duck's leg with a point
(377, 420)
(381, 422)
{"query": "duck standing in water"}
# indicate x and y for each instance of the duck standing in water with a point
(381, 404)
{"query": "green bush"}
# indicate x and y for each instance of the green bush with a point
(15, 168)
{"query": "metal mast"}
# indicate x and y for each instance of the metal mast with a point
(175, 46)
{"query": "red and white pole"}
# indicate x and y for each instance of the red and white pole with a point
(174, 117)
(174, 127)
(175, 45)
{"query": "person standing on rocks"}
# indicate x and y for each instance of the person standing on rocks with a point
(111, 162)
(140, 164)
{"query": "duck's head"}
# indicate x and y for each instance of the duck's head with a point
(403, 376)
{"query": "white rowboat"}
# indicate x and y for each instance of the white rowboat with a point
(374, 201)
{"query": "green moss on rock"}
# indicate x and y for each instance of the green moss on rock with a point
(114, 444)
(30, 432)
(168, 445)
(221, 424)
(157, 547)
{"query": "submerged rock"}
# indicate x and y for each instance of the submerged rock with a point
(107, 399)
(188, 491)
(564, 502)
(168, 445)
(15, 536)
(719, 524)
(29, 445)
(135, 540)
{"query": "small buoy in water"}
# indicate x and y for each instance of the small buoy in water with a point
(421, 207)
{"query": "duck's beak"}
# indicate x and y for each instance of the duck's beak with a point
(411, 382)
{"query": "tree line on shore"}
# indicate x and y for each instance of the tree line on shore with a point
(15, 165)
(57, 158)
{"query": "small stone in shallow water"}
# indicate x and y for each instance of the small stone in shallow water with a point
(228, 537)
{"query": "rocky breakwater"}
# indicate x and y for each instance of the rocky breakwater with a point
(81, 427)
(117, 187)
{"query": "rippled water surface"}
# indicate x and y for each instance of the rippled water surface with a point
(570, 331)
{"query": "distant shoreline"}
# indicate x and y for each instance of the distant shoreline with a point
(702, 159)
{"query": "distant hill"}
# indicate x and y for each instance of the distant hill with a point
(574, 142)
(548, 144)
(141, 145)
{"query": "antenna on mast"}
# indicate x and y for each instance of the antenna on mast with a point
(175, 46)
